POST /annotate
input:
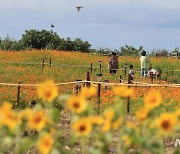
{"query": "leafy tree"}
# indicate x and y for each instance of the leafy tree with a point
(6, 44)
(17, 45)
(130, 50)
(104, 50)
(85, 47)
(69, 45)
(80, 45)
(161, 53)
(176, 50)
(41, 39)
(44, 39)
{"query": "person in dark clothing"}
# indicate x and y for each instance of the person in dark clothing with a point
(131, 72)
(113, 63)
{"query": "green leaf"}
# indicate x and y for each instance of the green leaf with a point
(26, 143)
(55, 115)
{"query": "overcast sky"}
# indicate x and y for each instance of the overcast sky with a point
(154, 24)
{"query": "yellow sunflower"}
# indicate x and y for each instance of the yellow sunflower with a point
(97, 120)
(76, 104)
(142, 114)
(25, 114)
(37, 120)
(108, 117)
(127, 140)
(152, 99)
(131, 126)
(166, 123)
(47, 91)
(122, 91)
(178, 114)
(109, 114)
(6, 107)
(7, 116)
(88, 92)
(9, 119)
(117, 123)
(107, 125)
(82, 127)
(45, 144)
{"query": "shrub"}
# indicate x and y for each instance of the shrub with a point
(6, 44)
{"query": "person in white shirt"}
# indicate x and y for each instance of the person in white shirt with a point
(144, 64)
(153, 71)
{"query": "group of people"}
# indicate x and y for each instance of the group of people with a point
(146, 68)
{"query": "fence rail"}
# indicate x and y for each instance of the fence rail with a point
(136, 84)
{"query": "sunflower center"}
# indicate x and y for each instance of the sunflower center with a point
(153, 100)
(46, 143)
(10, 116)
(76, 105)
(165, 124)
(82, 128)
(37, 119)
(48, 94)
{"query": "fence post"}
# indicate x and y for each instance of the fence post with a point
(106, 82)
(87, 79)
(151, 76)
(77, 89)
(125, 71)
(50, 62)
(91, 67)
(18, 94)
(99, 95)
(78, 86)
(120, 79)
(42, 65)
(128, 99)
(166, 79)
(100, 67)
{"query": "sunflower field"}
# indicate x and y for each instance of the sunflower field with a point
(40, 115)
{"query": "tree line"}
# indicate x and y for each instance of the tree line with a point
(50, 40)
(44, 39)
(128, 50)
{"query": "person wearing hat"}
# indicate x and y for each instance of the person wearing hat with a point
(113, 63)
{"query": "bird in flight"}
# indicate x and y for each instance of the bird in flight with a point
(52, 26)
(79, 7)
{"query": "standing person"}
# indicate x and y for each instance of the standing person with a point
(113, 63)
(144, 64)
(131, 71)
